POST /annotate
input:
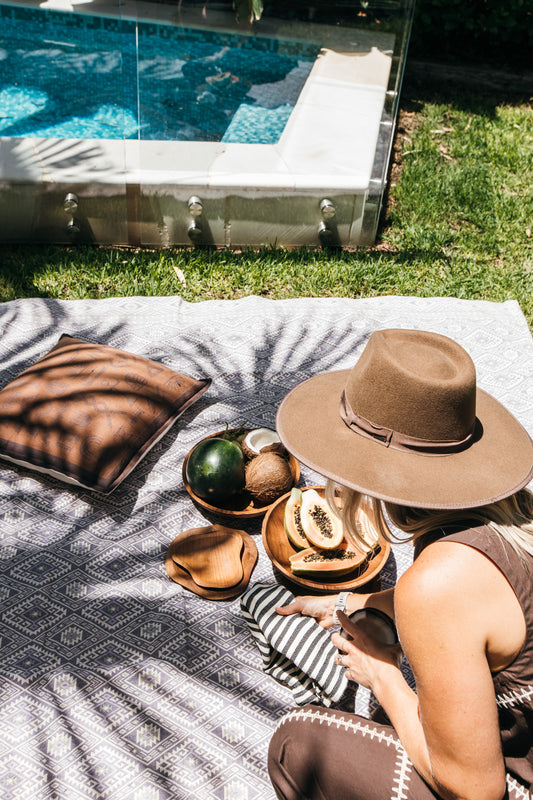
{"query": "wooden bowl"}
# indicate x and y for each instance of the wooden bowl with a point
(241, 506)
(279, 549)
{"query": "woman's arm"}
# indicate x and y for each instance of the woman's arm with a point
(322, 608)
(446, 604)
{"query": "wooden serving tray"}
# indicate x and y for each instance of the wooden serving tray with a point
(279, 549)
(213, 561)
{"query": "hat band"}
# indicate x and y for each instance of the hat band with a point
(400, 441)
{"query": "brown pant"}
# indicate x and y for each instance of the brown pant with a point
(325, 754)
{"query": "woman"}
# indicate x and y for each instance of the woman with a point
(408, 427)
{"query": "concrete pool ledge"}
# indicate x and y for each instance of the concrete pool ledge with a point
(334, 126)
(331, 136)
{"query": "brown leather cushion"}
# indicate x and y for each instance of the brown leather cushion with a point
(88, 413)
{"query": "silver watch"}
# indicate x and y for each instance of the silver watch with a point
(340, 605)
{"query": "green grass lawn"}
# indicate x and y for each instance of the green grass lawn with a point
(458, 222)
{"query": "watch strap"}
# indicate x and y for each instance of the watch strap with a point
(340, 605)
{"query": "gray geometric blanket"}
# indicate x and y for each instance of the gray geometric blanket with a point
(115, 682)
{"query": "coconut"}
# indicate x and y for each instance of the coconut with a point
(277, 448)
(256, 440)
(268, 476)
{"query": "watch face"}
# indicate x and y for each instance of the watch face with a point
(376, 624)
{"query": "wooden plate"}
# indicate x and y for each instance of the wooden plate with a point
(279, 549)
(242, 506)
(222, 560)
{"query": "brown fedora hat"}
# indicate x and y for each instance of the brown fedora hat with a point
(407, 424)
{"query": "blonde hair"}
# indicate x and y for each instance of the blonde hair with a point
(511, 518)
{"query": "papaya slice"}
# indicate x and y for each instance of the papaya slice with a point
(343, 559)
(322, 527)
(292, 520)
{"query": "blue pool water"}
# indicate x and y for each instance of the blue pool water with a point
(72, 76)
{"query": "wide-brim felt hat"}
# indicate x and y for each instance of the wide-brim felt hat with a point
(408, 424)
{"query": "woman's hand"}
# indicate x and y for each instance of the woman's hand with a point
(364, 656)
(321, 608)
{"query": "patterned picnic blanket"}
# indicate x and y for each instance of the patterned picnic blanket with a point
(115, 682)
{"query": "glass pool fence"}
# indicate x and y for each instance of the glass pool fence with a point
(214, 123)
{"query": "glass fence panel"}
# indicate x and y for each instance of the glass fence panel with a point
(197, 121)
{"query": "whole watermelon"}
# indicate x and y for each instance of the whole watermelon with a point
(215, 470)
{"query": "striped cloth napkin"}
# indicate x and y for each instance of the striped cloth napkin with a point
(295, 649)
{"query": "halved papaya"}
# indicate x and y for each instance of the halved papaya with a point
(321, 525)
(292, 520)
(343, 559)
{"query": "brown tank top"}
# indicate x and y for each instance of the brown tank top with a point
(514, 685)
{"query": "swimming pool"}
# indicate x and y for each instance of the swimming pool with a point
(173, 127)
(69, 76)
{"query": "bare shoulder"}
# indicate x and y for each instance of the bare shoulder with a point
(441, 571)
(455, 593)
(454, 585)
(438, 614)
